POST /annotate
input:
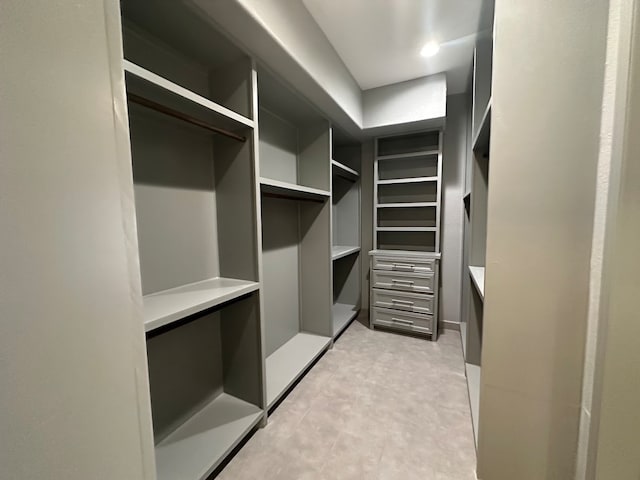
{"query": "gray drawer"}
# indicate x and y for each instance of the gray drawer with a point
(410, 302)
(413, 322)
(404, 264)
(409, 282)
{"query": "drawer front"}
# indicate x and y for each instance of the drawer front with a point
(404, 264)
(410, 302)
(409, 282)
(404, 321)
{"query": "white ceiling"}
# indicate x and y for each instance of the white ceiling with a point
(380, 40)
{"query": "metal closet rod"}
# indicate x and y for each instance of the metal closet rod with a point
(145, 102)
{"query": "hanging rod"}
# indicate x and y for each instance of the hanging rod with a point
(145, 102)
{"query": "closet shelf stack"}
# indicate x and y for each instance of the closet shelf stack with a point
(191, 127)
(345, 224)
(405, 260)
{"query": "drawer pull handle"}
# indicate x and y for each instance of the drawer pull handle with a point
(403, 266)
(402, 302)
(401, 321)
(402, 282)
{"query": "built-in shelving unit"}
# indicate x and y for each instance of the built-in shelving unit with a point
(475, 205)
(345, 226)
(407, 192)
(191, 125)
(295, 168)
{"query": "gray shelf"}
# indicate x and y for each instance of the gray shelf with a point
(407, 205)
(344, 171)
(477, 275)
(287, 363)
(342, 316)
(394, 181)
(198, 446)
(406, 229)
(341, 251)
(164, 307)
(232, 118)
(421, 153)
(290, 190)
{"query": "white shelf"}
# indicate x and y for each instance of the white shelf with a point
(406, 229)
(342, 315)
(291, 190)
(198, 446)
(344, 171)
(407, 205)
(405, 253)
(395, 181)
(477, 275)
(285, 365)
(473, 384)
(340, 251)
(182, 92)
(421, 153)
(164, 307)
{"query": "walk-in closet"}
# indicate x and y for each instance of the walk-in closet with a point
(319, 239)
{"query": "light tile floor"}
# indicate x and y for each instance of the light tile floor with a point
(377, 406)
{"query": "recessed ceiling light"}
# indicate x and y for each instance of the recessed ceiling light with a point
(430, 49)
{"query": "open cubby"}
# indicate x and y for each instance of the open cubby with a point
(296, 261)
(206, 391)
(346, 212)
(198, 58)
(194, 197)
(413, 143)
(408, 193)
(407, 217)
(410, 241)
(295, 141)
(406, 168)
(346, 291)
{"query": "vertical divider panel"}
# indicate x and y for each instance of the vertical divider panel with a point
(315, 268)
(314, 158)
(255, 143)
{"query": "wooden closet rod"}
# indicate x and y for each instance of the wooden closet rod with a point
(145, 102)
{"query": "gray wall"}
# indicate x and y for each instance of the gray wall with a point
(74, 401)
(544, 150)
(453, 174)
(452, 215)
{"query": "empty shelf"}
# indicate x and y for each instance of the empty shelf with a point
(473, 384)
(407, 180)
(406, 229)
(342, 315)
(286, 364)
(339, 251)
(164, 307)
(290, 190)
(407, 204)
(477, 275)
(421, 153)
(182, 92)
(198, 446)
(481, 142)
(344, 171)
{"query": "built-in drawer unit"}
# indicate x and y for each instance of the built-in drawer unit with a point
(403, 320)
(404, 264)
(410, 282)
(410, 302)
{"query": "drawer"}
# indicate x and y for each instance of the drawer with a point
(413, 322)
(410, 302)
(404, 264)
(409, 282)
